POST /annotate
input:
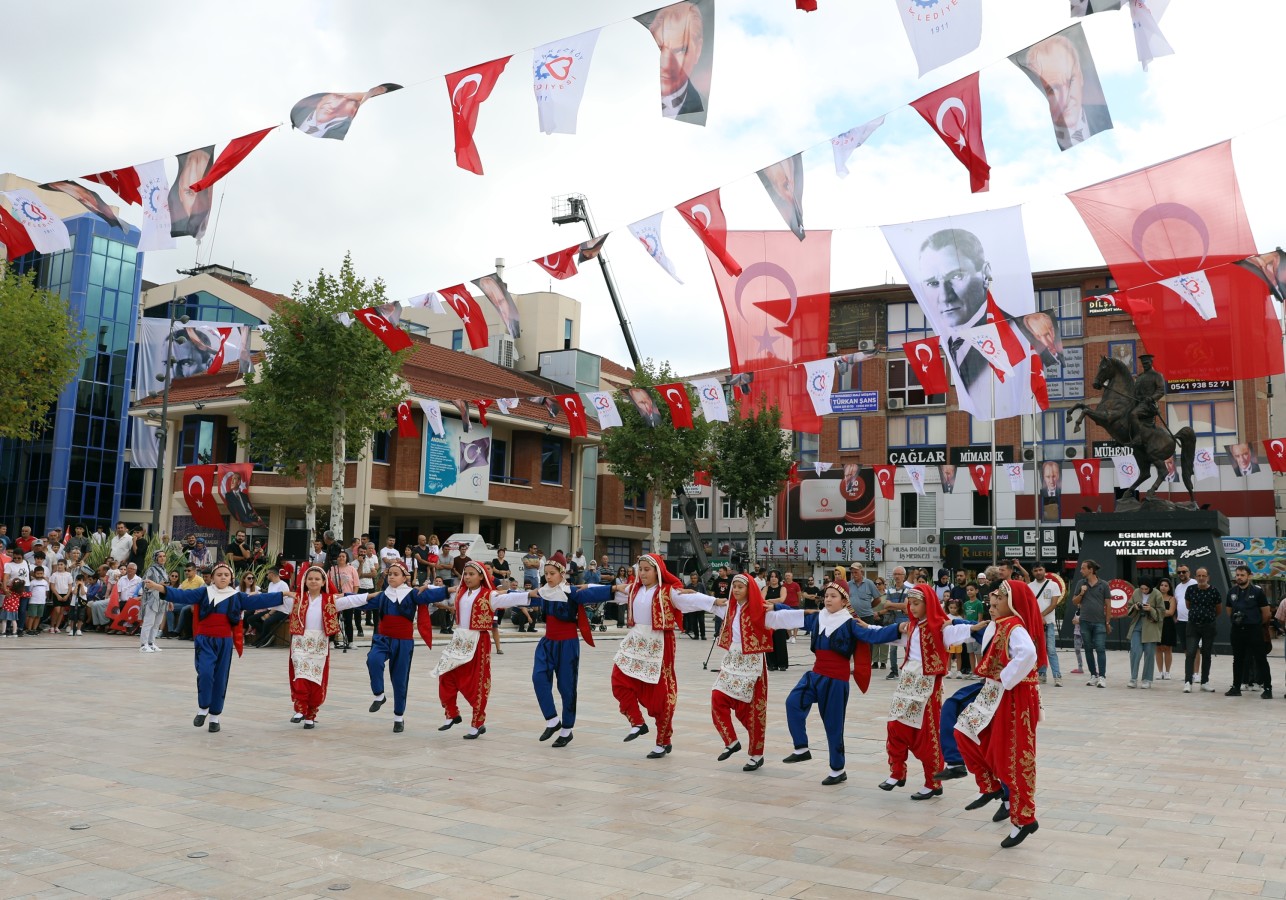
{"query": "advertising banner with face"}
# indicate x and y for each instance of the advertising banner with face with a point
(1063, 69)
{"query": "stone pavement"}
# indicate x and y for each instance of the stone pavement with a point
(1140, 793)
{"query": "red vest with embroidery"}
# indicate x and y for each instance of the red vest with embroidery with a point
(933, 652)
(665, 615)
(997, 656)
(481, 617)
(756, 636)
(330, 616)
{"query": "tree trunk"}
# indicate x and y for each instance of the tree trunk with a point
(338, 467)
(310, 502)
(750, 540)
(657, 499)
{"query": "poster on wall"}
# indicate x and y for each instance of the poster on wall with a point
(838, 504)
(457, 465)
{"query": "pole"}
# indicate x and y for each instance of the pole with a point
(991, 495)
(162, 439)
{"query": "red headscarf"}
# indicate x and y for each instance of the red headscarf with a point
(933, 652)
(1024, 605)
(666, 582)
(756, 637)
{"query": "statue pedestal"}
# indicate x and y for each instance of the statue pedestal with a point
(1118, 541)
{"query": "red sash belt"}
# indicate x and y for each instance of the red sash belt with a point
(558, 630)
(395, 626)
(832, 665)
(213, 625)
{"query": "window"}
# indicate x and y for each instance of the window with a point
(1065, 379)
(731, 509)
(1051, 432)
(567, 334)
(807, 447)
(700, 508)
(1214, 421)
(980, 431)
(905, 387)
(499, 460)
(1066, 308)
(457, 339)
(196, 441)
(201, 306)
(551, 461)
(981, 510)
(906, 323)
(917, 431)
(636, 501)
(379, 446)
(849, 377)
(910, 512)
(618, 552)
(850, 433)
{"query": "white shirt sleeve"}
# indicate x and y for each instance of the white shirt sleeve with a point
(510, 598)
(1022, 658)
(957, 634)
(286, 606)
(692, 602)
(350, 601)
(784, 618)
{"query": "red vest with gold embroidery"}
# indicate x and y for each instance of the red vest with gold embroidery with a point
(481, 618)
(996, 656)
(756, 637)
(933, 652)
(330, 616)
(665, 615)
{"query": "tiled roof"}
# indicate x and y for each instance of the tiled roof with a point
(267, 298)
(615, 370)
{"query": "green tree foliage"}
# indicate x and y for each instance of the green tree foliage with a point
(322, 387)
(41, 347)
(750, 459)
(660, 459)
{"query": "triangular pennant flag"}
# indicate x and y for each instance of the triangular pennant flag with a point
(562, 264)
(470, 313)
(925, 359)
(704, 214)
(190, 211)
(1127, 470)
(86, 198)
(494, 289)
(1017, 482)
(1204, 466)
(1087, 476)
(468, 89)
(915, 474)
(648, 233)
(713, 405)
(701, 478)
(432, 301)
(675, 396)
(236, 150)
(14, 237)
(820, 467)
(807, 6)
(506, 405)
(394, 338)
(1275, 450)
(1149, 42)
(483, 406)
(549, 403)
(1194, 290)
(559, 71)
(843, 145)
(405, 423)
(575, 410)
(792, 477)
(47, 232)
(591, 249)
(1062, 68)
(884, 478)
(154, 189)
(820, 381)
(433, 416)
(124, 183)
(941, 32)
(981, 473)
(604, 407)
(784, 182)
(955, 112)
(330, 114)
(988, 341)
(198, 494)
(684, 33)
(1039, 385)
(462, 407)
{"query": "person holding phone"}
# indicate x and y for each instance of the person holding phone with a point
(1145, 612)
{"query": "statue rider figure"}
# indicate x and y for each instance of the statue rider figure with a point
(1149, 388)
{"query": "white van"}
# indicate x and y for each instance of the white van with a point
(472, 545)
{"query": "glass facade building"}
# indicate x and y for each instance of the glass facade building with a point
(74, 472)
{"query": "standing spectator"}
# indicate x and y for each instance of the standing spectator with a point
(368, 570)
(76, 602)
(778, 658)
(959, 590)
(99, 536)
(1204, 607)
(694, 623)
(459, 561)
(1250, 613)
(237, 553)
(15, 598)
(389, 554)
(1092, 601)
(18, 569)
(331, 548)
(1047, 597)
(60, 585)
(532, 563)
(975, 610)
(621, 592)
(1185, 583)
(500, 565)
(1145, 612)
(863, 595)
(201, 555)
(78, 541)
(25, 540)
(122, 544)
(5, 540)
(152, 606)
(943, 586)
(576, 566)
(720, 588)
(345, 579)
(893, 609)
(138, 550)
(38, 587)
(76, 565)
(792, 598)
(128, 586)
(1165, 647)
(317, 556)
(424, 568)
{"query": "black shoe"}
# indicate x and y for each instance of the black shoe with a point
(893, 673)
(310, 725)
(399, 727)
(376, 704)
(634, 734)
(198, 720)
(1001, 814)
(799, 757)
(1021, 836)
(214, 726)
(835, 779)
(885, 786)
(664, 750)
(562, 740)
(728, 751)
(751, 766)
(1267, 694)
(474, 735)
(1233, 692)
(950, 773)
(361, 633)
(920, 795)
(296, 719)
(980, 802)
(447, 727)
(550, 731)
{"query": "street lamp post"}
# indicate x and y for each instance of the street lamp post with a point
(165, 378)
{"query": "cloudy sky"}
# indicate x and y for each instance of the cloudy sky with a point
(101, 86)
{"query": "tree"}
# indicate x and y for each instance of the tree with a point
(660, 459)
(41, 347)
(322, 387)
(750, 460)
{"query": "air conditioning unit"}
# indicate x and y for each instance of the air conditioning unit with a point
(931, 537)
(506, 355)
(896, 403)
(922, 535)
(866, 346)
(1029, 454)
(832, 348)
(1074, 452)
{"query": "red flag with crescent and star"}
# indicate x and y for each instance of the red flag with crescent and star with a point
(198, 493)
(405, 424)
(955, 113)
(705, 216)
(1159, 228)
(14, 237)
(468, 89)
(125, 183)
(389, 334)
(1087, 476)
(575, 409)
(562, 264)
(981, 473)
(777, 313)
(483, 405)
(1275, 451)
(1039, 386)
(470, 313)
(676, 397)
(926, 363)
(884, 478)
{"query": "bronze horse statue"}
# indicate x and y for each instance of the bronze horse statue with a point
(1151, 445)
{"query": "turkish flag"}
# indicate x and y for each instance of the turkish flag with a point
(884, 476)
(1039, 386)
(232, 345)
(1087, 476)
(926, 363)
(811, 6)
(483, 405)
(777, 312)
(701, 477)
(198, 493)
(955, 112)
(393, 337)
(470, 313)
(14, 237)
(468, 89)
(1275, 450)
(561, 264)
(1166, 223)
(675, 396)
(405, 424)
(575, 409)
(792, 475)
(705, 215)
(125, 183)
(981, 473)
(236, 150)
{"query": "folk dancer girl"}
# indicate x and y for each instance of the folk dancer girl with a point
(643, 670)
(835, 637)
(464, 669)
(216, 631)
(999, 727)
(558, 652)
